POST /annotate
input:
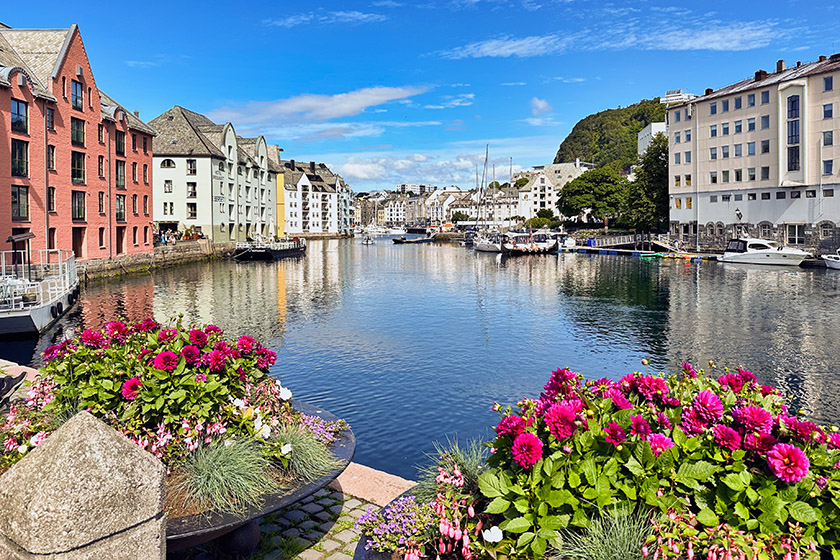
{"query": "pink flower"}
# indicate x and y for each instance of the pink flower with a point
(768, 390)
(562, 382)
(166, 335)
(511, 425)
(93, 339)
(800, 430)
(731, 381)
(708, 407)
(639, 427)
(527, 450)
(212, 329)
(560, 419)
(652, 388)
(834, 440)
(659, 443)
(788, 462)
(166, 361)
(753, 419)
(200, 377)
(760, 443)
(618, 398)
(130, 388)
(116, 330)
(198, 338)
(147, 325)
(746, 376)
(615, 434)
(663, 421)
(688, 370)
(38, 439)
(692, 424)
(265, 358)
(215, 360)
(245, 344)
(191, 354)
(10, 444)
(726, 437)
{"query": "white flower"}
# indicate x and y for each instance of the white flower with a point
(493, 534)
(286, 449)
(264, 432)
(239, 403)
(285, 394)
(22, 449)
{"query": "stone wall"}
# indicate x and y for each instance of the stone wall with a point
(819, 239)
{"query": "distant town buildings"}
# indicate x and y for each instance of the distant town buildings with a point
(316, 200)
(759, 158)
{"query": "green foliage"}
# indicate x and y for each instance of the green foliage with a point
(522, 181)
(613, 535)
(227, 476)
(647, 201)
(459, 217)
(470, 458)
(610, 137)
(546, 213)
(537, 223)
(600, 191)
(299, 453)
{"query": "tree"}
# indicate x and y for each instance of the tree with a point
(647, 200)
(546, 213)
(493, 184)
(601, 192)
(521, 182)
(459, 217)
(537, 223)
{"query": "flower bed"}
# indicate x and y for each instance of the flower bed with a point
(714, 464)
(205, 406)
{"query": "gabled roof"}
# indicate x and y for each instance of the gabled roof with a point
(109, 108)
(42, 49)
(11, 61)
(178, 134)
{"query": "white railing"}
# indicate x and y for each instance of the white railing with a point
(25, 284)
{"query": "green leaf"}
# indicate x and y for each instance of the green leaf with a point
(603, 490)
(515, 525)
(538, 546)
(524, 539)
(802, 512)
(488, 483)
(700, 470)
(708, 518)
(522, 505)
(734, 481)
(558, 479)
(498, 505)
(679, 437)
(580, 519)
(574, 479)
(554, 522)
(635, 467)
(742, 511)
(589, 470)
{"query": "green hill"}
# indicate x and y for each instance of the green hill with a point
(609, 138)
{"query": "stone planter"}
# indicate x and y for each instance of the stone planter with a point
(192, 530)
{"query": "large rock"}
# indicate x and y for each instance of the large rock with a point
(85, 492)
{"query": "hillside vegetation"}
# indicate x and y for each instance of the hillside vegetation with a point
(609, 138)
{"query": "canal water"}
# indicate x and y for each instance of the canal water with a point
(412, 344)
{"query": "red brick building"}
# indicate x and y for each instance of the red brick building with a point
(75, 165)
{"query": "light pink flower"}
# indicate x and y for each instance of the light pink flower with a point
(659, 443)
(788, 462)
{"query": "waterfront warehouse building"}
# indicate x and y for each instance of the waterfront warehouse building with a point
(211, 182)
(760, 157)
(78, 167)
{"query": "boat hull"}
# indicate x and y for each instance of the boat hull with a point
(832, 261)
(530, 248)
(268, 254)
(35, 320)
(777, 258)
(488, 247)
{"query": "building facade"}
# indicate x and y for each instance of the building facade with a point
(544, 185)
(79, 176)
(761, 158)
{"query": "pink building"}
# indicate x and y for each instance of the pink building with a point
(79, 175)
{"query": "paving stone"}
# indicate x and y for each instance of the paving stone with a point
(345, 536)
(340, 496)
(337, 509)
(273, 555)
(312, 508)
(321, 493)
(291, 532)
(307, 499)
(324, 516)
(340, 556)
(309, 554)
(356, 513)
(276, 541)
(330, 545)
(351, 504)
(307, 525)
(296, 515)
(282, 522)
(325, 527)
(314, 536)
(326, 502)
(269, 528)
(303, 543)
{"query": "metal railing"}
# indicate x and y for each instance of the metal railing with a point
(25, 284)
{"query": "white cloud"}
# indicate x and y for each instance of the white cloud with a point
(361, 169)
(540, 107)
(386, 4)
(570, 80)
(513, 84)
(506, 47)
(328, 18)
(450, 101)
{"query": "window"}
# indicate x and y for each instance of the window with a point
(780, 195)
(725, 197)
(51, 238)
(751, 196)
(739, 175)
(167, 164)
(119, 142)
(765, 173)
(795, 194)
(134, 142)
(687, 157)
(19, 123)
(676, 157)
(793, 107)
(678, 203)
(145, 205)
(751, 100)
(50, 118)
(826, 230)
(751, 174)
(688, 180)
(167, 186)
(750, 124)
(20, 158)
(725, 129)
(119, 172)
(102, 238)
(793, 131)
(191, 190)
(101, 167)
(192, 210)
(828, 83)
(724, 106)
(828, 111)
(796, 234)
(738, 127)
(145, 145)
(765, 121)
(676, 180)
(713, 108)
(712, 153)
(738, 150)
(51, 158)
(120, 210)
(750, 148)
(77, 96)
(828, 138)
(676, 138)
(828, 193)
(739, 197)
(101, 203)
(765, 146)
(79, 205)
(146, 173)
(713, 177)
(100, 133)
(793, 158)
(713, 198)
(765, 196)
(828, 166)
(724, 152)
(90, 100)
(677, 116)
(765, 97)
(77, 132)
(766, 231)
(688, 135)
(134, 204)
(51, 199)
(20, 203)
(191, 167)
(134, 171)
(811, 194)
(134, 235)
(737, 103)
(724, 176)
(713, 131)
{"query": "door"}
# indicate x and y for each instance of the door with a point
(120, 240)
(79, 242)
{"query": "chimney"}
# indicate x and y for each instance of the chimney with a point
(760, 75)
(137, 114)
(798, 63)
(780, 65)
(312, 166)
(292, 163)
(709, 91)
(822, 58)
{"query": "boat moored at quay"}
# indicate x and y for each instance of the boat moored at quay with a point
(749, 250)
(263, 249)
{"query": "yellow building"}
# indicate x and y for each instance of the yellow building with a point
(274, 161)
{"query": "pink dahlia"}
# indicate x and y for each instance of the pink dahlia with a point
(198, 338)
(562, 382)
(527, 450)
(663, 421)
(788, 462)
(726, 437)
(511, 425)
(618, 398)
(146, 325)
(708, 407)
(753, 419)
(200, 378)
(834, 440)
(731, 381)
(760, 443)
(165, 335)
(746, 376)
(615, 434)
(659, 443)
(601, 386)
(215, 360)
(561, 420)
(130, 388)
(166, 361)
(93, 339)
(688, 370)
(799, 430)
(191, 354)
(116, 330)
(768, 390)
(245, 344)
(212, 329)
(639, 427)
(652, 388)
(628, 383)
(692, 424)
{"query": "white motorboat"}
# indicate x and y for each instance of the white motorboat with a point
(832, 261)
(488, 243)
(749, 250)
(367, 240)
(396, 231)
(528, 243)
(376, 230)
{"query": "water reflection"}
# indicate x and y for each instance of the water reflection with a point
(412, 343)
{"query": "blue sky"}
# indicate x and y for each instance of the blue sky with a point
(391, 91)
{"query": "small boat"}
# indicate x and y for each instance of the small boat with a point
(402, 240)
(396, 231)
(750, 250)
(265, 249)
(529, 244)
(488, 243)
(367, 240)
(832, 260)
(34, 293)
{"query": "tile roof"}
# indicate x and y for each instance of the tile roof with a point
(109, 106)
(10, 60)
(40, 48)
(179, 134)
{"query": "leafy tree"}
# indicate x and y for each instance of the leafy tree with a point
(459, 217)
(537, 223)
(602, 192)
(647, 200)
(521, 182)
(546, 213)
(493, 184)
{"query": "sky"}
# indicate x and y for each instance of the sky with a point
(392, 91)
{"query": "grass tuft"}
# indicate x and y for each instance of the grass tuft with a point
(471, 459)
(617, 535)
(309, 459)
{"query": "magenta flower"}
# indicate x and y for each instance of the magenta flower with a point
(731, 381)
(562, 382)
(200, 378)
(652, 388)
(93, 339)
(116, 330)
(802, 431)
(198, 338)
(191, 353)
(130, 388)
(166, 361)
(659, 443)
(688, 370)
(527, 450)
(618, 398)
(560, 419)
(265, 358)
(760, 443)
(166, 335)
(692, 424)
(753, 419)
(726, 437)
(511, 425)
(708, 407)
(245, 344)
(212, 329)
(215, 360)
(146, 325)
(663, 421)
(601, 386)
(834, 440)
(639, 427)
(746, 376)
(614, 434)
(768, 390)
(788, 462)
(628, 383)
